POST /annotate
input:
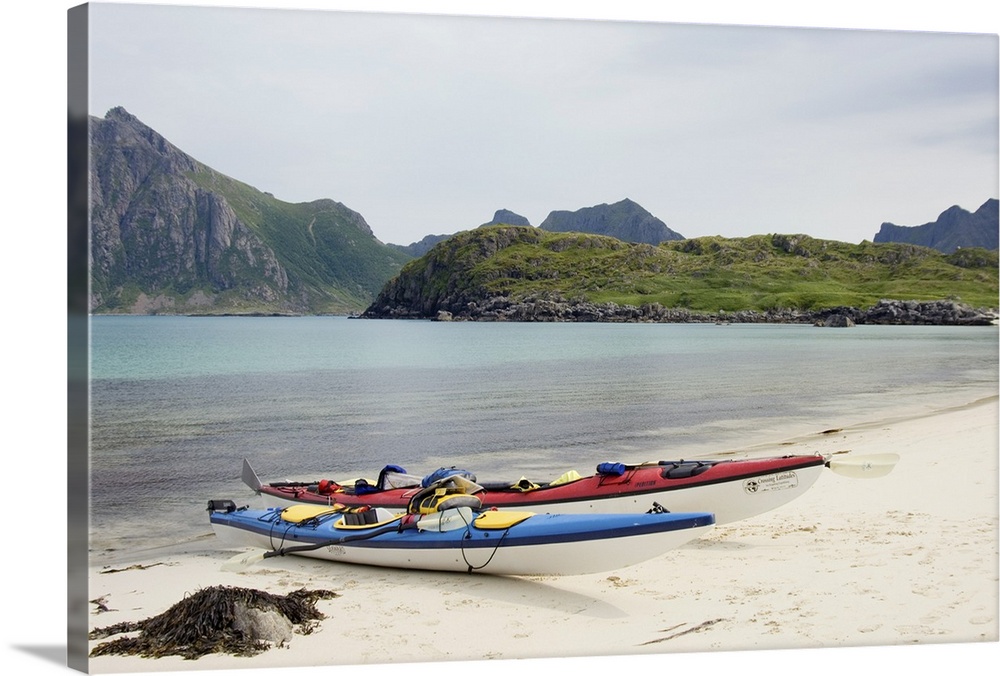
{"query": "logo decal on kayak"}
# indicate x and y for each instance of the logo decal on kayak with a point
(771, 482)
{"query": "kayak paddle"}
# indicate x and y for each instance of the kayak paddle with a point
(241, 562)
(869, 466)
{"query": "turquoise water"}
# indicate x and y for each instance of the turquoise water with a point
(178, 402)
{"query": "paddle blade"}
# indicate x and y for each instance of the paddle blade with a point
(241, 562)
(250, 477)
(869, 466)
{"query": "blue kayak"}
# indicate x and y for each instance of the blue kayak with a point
(457, 536)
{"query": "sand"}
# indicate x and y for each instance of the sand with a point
(909, 558)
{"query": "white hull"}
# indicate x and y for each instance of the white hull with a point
(565, 558)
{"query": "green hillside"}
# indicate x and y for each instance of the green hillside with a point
(708, 274)
(323, 246)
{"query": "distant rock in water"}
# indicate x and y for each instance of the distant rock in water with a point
(837, 321)
(910, 312)
(506, 217)
(954, 229)
(623, 220)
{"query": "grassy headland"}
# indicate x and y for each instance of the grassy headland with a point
(707, 274)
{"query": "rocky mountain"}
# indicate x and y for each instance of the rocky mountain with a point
(506, 217)
(500, 217)
(512, 273)
(624, 220)
(417, 249)
(171, 235)
(955, 228)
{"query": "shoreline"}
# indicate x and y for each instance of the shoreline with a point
(531, 309)
(910, 558)
(555, 308)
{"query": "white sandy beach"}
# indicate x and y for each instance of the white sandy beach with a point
(910, 558)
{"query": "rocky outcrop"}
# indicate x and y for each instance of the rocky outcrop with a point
(500, 217)
(954, 229)
(556, 309)
(506, 217)
(624, 220)
(440, 280)
(911, 312)
(837, 321)
(522, 273)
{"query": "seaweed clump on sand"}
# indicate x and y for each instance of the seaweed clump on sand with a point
(219, 619)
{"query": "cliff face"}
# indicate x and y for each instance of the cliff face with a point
(169, 234)
(954, 229)
(155, 228)
(624, 220)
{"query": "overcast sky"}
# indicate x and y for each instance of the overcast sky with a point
(427, 124)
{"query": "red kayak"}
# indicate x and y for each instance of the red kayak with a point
(731, 489)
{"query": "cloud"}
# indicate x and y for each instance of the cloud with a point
(427, 124)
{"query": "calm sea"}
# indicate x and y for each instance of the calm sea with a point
(178, 402)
